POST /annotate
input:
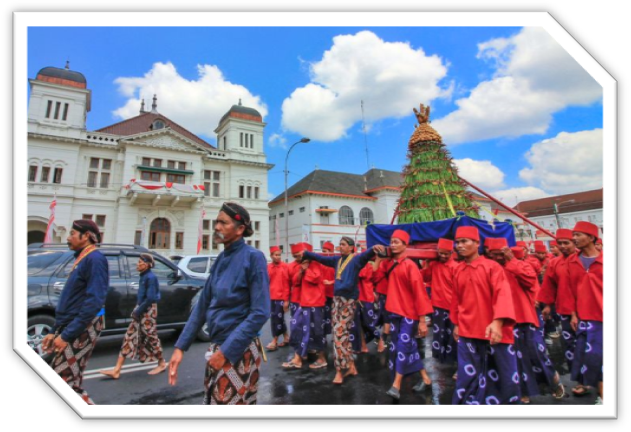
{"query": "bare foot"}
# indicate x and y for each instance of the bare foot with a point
(157, 370)
(382, 346)
(351, 371)
(364, 349)
(110, 373)
(339, 378)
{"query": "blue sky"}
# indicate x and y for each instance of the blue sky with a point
(520, 116)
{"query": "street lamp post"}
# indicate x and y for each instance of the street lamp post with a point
(556, 211)
(302, 140)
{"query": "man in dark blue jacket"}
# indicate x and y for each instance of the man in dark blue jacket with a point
(79, 313)
(141, 341)
(235, 305)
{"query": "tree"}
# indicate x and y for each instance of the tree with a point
(432, 189)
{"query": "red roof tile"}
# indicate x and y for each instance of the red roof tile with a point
(142, 123)
(588, 200)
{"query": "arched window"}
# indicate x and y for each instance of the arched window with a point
(346, 216)
(158, 124)
(365, 216)
(160, 232)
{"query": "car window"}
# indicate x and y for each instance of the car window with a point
(41, 264)
(114, 267)
(63, 273)
(161, 270)
(198, 264)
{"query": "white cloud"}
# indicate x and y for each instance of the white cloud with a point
(512, 196)
(481, 173)
(535, 77)
(569, 162)
(277, 140)
(390, 77)
(197, 104)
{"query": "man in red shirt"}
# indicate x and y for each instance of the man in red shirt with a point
(364, 326)
(308, 321)
(586, 274)
(381, 267)
(554, 248)
(439, 275)
(483, 315)
(279, 297)
(329, 282)
(533, 363)
(294, 267)
(407, 304)
(556, 291)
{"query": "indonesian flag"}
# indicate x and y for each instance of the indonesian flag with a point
(200, 230)
(48, 238)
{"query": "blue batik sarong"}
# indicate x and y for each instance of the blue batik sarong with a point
(277, 318)
(328, 309)
(308, 331)
(366, 318)
(443, 344)
(568, 340)
(587, 367)
(404, 356)
(533, 363)
(487, 374)
(293, 307)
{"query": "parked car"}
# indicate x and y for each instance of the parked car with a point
(48, 269)
(195, 265)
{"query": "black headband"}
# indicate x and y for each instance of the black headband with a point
(349, 241)
(239, 214)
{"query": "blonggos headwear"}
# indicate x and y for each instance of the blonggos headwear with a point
(148, 258)
(239, 214)
(88, 226)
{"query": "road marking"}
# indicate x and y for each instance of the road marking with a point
(94, 373)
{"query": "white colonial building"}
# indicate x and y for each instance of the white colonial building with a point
(327, 205)
(144, 180)
(561, 211)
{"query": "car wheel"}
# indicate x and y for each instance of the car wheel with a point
(37, 328)
(202, 334)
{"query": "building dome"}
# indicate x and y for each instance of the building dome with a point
(62, 77)
(242, 112)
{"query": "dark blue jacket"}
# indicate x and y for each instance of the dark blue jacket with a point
(347, 286)
(83, 296)
(148, 292)
(235, 301)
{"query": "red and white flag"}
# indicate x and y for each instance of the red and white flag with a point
(200, 230)
(48, 238)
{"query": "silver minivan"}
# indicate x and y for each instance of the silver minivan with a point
(197, 266)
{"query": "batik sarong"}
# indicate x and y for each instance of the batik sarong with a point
(277, 318)
(308, 331)
(487, 374)
(569, 339)
(383, 314)
(587, 367)
(343, 314)
(443, 344)
(365, 321)
(404, 356)
(141, 341)
(72, 361)
(533, 363)
(328, 309)
(233, 384)
(293, 307)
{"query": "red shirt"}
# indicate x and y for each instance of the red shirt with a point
(379, 279)
(524, 287)
(278, 281)
(589, 287)
(482, 294)
(557, 289)
(407, 295)
(328, 274)
(440, 277)
(312, 287)
(536, 264)
(366, 287)
(293, 268)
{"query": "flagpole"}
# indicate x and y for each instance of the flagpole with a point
(48, 237)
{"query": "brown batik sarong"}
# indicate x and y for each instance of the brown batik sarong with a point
(72, 361)
(343, 314)
(233, 384)
(141, 341)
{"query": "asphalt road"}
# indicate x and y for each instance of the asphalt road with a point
(278, 386)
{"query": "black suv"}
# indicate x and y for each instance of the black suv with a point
(50, 264)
